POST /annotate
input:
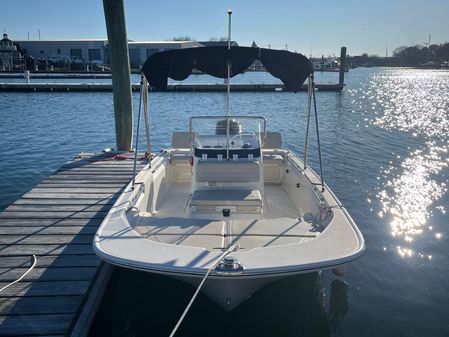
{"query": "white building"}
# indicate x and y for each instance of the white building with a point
(95, 50)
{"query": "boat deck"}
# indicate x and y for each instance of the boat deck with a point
(56, 221)
(171, 224)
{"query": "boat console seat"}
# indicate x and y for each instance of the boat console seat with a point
(273, 158)
(180, 158)
(182, 139)
(273, 140)
(227, 171)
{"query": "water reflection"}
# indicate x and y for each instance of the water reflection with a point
(408, 196)
(338, 304)
(142, 304)
(410, 186)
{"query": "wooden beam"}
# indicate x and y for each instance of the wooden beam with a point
(114, 13)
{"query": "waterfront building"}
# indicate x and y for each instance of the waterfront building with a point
(10, 56)
(94, 51)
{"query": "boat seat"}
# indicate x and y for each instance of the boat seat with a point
(181, 139)
(180, 158)
(227, 171)
(273, 166)
(273, 159)
(211, 197)
(273, 140)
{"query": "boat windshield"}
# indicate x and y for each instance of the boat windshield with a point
(217, 133)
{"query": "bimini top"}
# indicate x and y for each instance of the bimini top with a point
(291, 68)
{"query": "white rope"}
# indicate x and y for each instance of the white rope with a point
(146, 114)
(230, 250)
(21, 277)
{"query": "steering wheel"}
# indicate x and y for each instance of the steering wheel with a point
(242, 134)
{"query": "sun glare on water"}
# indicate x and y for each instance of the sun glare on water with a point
(409, 188)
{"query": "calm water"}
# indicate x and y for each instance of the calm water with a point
(385, 142)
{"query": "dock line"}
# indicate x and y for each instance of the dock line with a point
(21, 277)
(186, 310)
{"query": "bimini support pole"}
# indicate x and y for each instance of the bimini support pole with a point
(146, 115)
(317, 134)
(137, 133)
(228, 87)
(229, 66)
(309, 109)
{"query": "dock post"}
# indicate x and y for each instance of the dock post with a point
(341, 80)
(114, 13)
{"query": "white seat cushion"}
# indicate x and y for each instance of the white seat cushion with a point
(227, 171)
(181, 139)
(180, 158)
(273, 140)
(273, 159)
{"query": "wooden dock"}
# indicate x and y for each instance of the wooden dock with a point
(107, 87)
(56, 221)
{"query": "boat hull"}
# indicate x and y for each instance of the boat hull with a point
(229, 293)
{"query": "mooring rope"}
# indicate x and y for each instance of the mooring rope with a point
(230, 250)
(21, 277)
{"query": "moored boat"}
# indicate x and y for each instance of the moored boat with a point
(228, 208)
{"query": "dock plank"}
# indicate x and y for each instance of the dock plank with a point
(56, 208)
(88, 182)
(27, 250)
(32, 222)
(75, 190)
(79, 196)
(89, 260)
(54, 288)
(78, 184)
(62, 201)
(52, 239)
(97, 170)
(38, 325)
(53, 215)
(29, 230)
(41, 305)
(48, 274)
(56, 221)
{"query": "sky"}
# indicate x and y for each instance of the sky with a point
(309, 27)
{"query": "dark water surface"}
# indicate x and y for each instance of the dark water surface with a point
(385, 150)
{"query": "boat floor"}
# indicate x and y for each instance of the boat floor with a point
(171, 223)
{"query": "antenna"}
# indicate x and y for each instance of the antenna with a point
(229, 64)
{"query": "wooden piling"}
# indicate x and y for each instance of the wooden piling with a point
(341, 79)
(114, 13)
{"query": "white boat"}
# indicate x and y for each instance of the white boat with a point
(227, 207)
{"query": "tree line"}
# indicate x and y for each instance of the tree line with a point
(418, 54)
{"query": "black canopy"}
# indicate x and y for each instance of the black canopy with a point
(291, 68)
